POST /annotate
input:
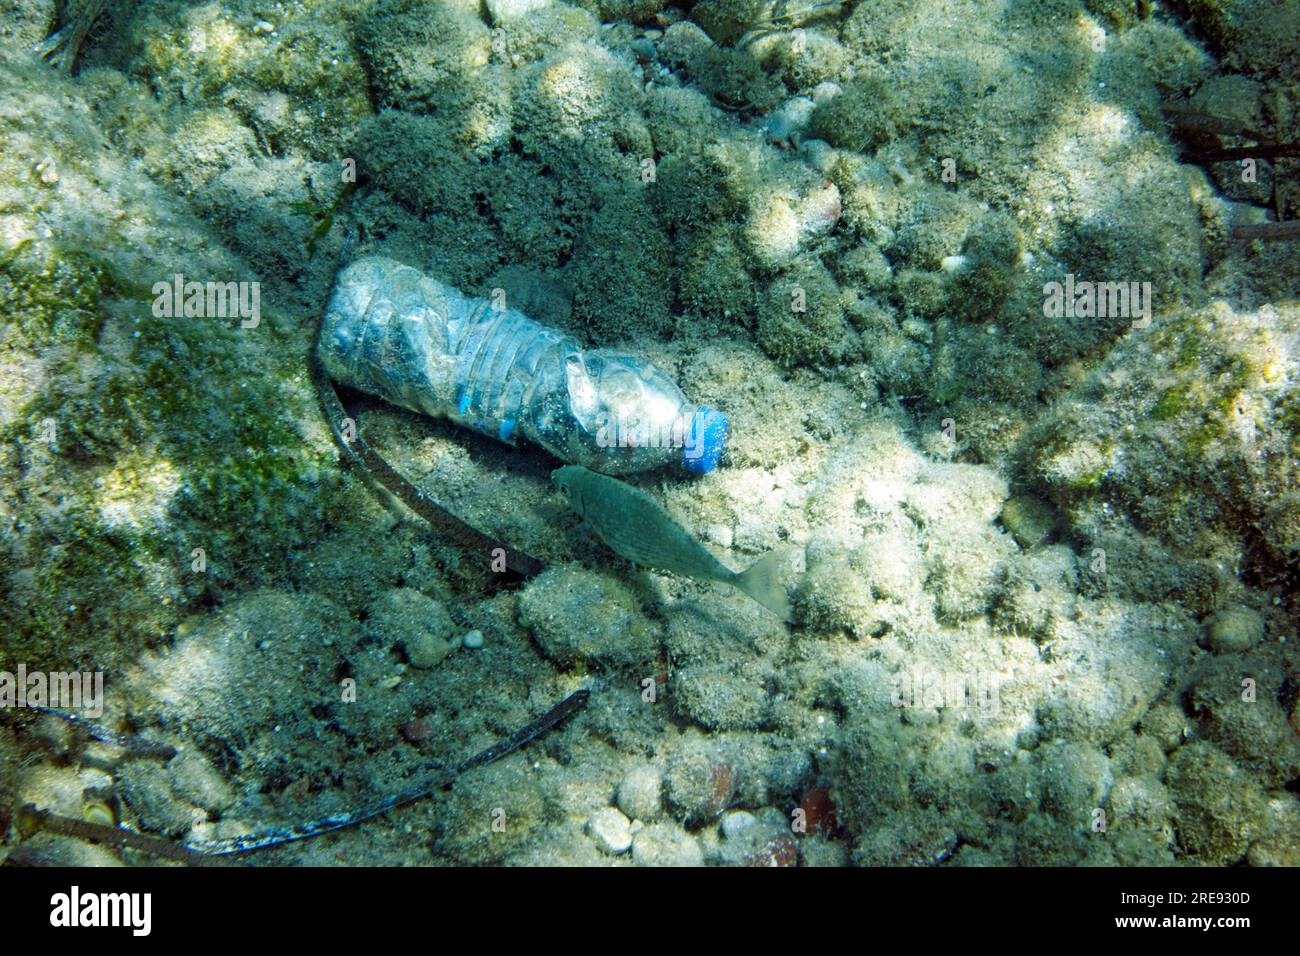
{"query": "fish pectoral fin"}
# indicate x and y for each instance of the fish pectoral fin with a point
(764, 582)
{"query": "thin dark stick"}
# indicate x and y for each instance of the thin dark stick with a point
(1198, 121)
(302, 831)
(135, 745)
(31, 820)
(1268, 230)
(438, 517)
(1270, 151)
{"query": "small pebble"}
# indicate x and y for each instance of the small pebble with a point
(1234, 630)
(1029, 520)
(778, 850)
(420, 624)
(639, 793)
(417, 730)
(824, 92)
(426, 650)
(503, 11)
(757, 839)
(473, 639)
(100, 813)
(818, 153)
(611, 830)
(698, 785)
(720, 534)
(736, 823)
(666, 844)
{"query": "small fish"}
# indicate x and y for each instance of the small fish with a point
(637, 527)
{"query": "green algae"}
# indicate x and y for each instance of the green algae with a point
(56, 300)
(1171, 404)
(237, 453)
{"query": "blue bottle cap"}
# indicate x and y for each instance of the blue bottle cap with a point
(705, 443)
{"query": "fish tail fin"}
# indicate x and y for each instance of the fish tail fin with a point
(762, 581)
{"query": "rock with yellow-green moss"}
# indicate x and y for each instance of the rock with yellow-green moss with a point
(1234, 629)
(801, 317)
(297, 82)
(802, 58)
(422, 54)
(1236, 702)
(863, 117)
(580, 617)
(1030, 520)
(1219, 809)
(143, 433)
(1203, 392)
(726, 21)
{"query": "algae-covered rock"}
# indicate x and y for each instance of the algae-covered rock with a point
(986, 273)
(727, 20)
(1236, 702)
(637, 11)
(714, 285)
(209, 142)
(420, 625)
(583, 617)
(665, 844)
(1256, 37)
(1219, 809)
(1029, 519)
(834, 595)
(581, 105)
(1121, 658)
(1075, 781)
(1142, 804)
(804, 58)
(640, 793)
(1234, 629)
(498, 814)
(424, 54)
(801, 317)
(140, 429)
(623, 250)
(1281, 845)
(734, 79)
(785, 221)
(26, 23)
(1204, 390)
(236, 676)
(719, 698)
(699, 781)
(1282, 523)
(863, 117)
(1038, 594)
(298, 83)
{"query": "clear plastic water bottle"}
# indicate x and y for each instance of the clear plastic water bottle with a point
(393, 332)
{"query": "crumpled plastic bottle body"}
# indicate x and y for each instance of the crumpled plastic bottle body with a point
(393, 332)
